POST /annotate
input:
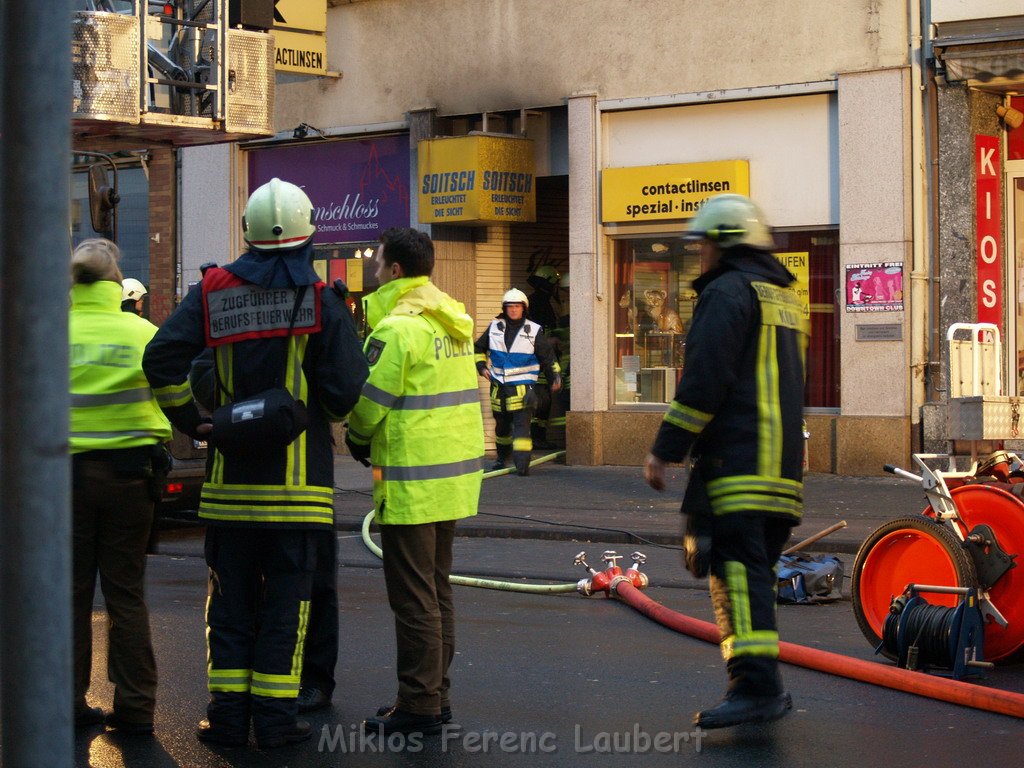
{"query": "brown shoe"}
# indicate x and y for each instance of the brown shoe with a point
(131, 727)
(397, 720)
(86, 716)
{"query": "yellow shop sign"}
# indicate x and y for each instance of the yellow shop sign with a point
(799, 264)
(300, 52)
(476, 180)
(656, 192)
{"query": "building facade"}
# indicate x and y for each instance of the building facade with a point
(633, 113)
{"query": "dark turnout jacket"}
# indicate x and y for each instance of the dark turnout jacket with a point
(318, 360)
(739, 404)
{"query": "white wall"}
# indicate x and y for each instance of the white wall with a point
(467, 56)
(206, 205)
(875, 227)
(959, 10)
(789, 142)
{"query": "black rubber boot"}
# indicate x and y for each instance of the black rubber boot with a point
(736, 709)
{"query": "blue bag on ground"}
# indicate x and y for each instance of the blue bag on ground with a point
(810, 578)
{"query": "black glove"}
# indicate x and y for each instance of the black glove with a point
(699, 528)
(697, 545)
(360, 453)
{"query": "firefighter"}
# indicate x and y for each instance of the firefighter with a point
(117, 434)
(544, 282)
(132, 294)
(418, 420)
(560, 340)
(738, 410)
(511, 354)
(286, 363)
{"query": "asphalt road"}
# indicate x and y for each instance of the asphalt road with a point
(557, 680)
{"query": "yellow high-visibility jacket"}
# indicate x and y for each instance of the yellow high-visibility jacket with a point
(420, 408)
(112, 405)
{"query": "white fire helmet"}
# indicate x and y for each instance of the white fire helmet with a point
(132, 289)
(278, 215)
(515, 296)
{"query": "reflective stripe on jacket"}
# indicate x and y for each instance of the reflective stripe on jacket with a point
(291, 486)
(420, 407)
(739, 403)
(518, 364)
(112, 405)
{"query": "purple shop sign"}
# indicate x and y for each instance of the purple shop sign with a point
(359, 188)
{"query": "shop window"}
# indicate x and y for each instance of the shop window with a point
(1015, 138)
(655, 301)
(654, 305)
(353, 264)
(822, 249)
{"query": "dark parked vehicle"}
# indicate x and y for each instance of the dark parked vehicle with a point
(180, 496)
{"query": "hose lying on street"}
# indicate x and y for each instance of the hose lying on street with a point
(941, 689)
(472, 581)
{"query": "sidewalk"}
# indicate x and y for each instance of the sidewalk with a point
(614, 504)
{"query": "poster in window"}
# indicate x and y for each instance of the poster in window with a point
(874, 287)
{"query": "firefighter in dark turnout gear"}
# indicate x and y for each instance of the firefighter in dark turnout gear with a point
(738, 410)
(282, 344)
(511, 354)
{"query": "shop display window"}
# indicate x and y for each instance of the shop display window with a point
(353, 264)
(654, 306)
(654, 303)
(822, 249)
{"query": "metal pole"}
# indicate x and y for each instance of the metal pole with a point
(35, 571)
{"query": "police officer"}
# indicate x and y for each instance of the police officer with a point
(285, 356)
(511, 354)
(738, 410)
(117, 432)
(418, 420)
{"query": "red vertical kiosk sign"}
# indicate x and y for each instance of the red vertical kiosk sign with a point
(988, 209)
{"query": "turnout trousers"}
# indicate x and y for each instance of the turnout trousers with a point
(322, 638)
(745, 548)
(257, 614)
(512, 408)
(417, 563)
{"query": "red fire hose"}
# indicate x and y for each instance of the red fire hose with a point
(942, 689)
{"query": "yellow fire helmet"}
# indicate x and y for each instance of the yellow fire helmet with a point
(547, 272)
(730, 220)
(278, 215)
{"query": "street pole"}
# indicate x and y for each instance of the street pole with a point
(35, 560)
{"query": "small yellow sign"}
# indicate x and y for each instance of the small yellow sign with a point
(299, 52)
(354, 274)
(799, 265)
(307, 15)
(476, 180)
(658, 192)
